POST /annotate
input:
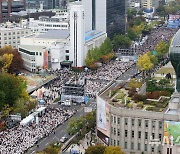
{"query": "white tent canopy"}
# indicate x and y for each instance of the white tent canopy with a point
(27, 120)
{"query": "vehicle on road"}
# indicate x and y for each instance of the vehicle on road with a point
(63, 139)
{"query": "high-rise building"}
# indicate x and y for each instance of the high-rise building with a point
(115, 17)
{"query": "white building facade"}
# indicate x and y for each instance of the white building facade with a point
(68, 46)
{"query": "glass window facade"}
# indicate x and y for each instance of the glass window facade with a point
(116, 17)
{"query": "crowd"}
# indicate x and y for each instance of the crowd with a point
(20, 138)
(96, 80)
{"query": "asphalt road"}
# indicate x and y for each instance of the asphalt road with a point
(129, 73)
(61, 130)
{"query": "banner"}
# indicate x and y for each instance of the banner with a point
(46, 60)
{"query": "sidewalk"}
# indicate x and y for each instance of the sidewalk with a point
(82, 145)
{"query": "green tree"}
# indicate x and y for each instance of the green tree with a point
(6, 62)
(121, 41)
(153, 58)
(132, 35)
(106, 47)
(161, 48)
(97, 149)
(113, 150)
(12, 88)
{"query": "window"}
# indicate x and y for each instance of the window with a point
(36, 53)
(132, 122)
(126, 121)
(118, 143)
(114, 131)
(126, 133)
(132, 146)
(160, 125)
(139, 134)
(139, 122)
(146, 135)
(145, 147)
(132, 134)
(40, 53)
(139, 146)
(114, 142)
(118, 132)
(146, 123)
(152, 149)
(67, 51)
(160, 137)
(67, 57)
(153, 135)
(118, 120)
(125, 145)
(115, 120)
(153, 124)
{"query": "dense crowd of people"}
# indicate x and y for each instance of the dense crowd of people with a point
(96, 80)
(19, 139)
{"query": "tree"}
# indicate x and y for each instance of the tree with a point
(97, 149)
(121, 41)
(106, 47)
(11, 87)
(153, 58)
(161, 48)
(17, 61)
(144, 63)
(132, 35)
(6, 62)
(113, 150)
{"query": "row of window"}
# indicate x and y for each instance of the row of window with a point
(117, 132)
(133, 147)
(52, 25)
(10, 33)
(117, 120)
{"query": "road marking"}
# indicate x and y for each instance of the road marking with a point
(54, 137)
(46, 143)
(33, 152)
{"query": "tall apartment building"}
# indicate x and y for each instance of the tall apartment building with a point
(138, 130)
(9, 6)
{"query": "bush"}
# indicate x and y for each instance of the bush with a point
(138, 98)
(140, 104)
(131, 92)
(93, 67)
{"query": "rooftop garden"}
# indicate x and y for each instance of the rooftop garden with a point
(156, 97)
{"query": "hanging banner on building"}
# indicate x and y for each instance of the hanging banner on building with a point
(103, 120)
(46, 60)
(171, 133)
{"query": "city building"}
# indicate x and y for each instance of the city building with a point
(133, 4)
(22, 15)
(66, 47)
(45, 23)
(10, 34)
(115, 17)
(9, 6)
(138, 130)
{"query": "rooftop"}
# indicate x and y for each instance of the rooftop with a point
(120, 95)
(92, 34)
(32, 48)
(55, 34)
